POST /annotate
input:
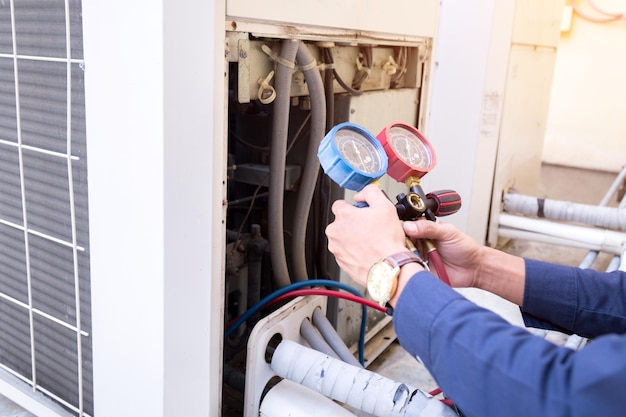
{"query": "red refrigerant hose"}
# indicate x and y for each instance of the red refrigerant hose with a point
(437, 263)
(433, 258)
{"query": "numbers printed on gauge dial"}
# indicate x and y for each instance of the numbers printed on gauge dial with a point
(410, 148)
(410, 155)
(351, 156)
(357, 151)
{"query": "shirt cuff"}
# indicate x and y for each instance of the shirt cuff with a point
(548, 292)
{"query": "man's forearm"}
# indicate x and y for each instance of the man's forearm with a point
(502, 274)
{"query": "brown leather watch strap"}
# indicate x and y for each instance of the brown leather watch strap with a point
(402, 258)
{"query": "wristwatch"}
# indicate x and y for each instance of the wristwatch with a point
(382, 278)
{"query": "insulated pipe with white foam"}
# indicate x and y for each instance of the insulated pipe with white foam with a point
(288, 399)
(354, 386)
(578, 236)
(607, 217)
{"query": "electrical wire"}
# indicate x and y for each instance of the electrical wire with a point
(230, 328)
(328, 58)
(345, 86)
(298, 133)
(401, 61)
(256, 194)
(364, 67)
(244, 142)
(250, 207)
(293, 141)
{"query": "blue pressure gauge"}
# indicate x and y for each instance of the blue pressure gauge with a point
(351, 156)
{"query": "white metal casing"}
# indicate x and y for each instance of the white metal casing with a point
(405, 18)
(156, 150)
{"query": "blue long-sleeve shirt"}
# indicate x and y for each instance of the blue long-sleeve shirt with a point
(492, 368)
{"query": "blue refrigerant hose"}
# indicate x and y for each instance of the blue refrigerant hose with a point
(298, 285)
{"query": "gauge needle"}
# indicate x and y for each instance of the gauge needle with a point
(408, 151)
(356, 148)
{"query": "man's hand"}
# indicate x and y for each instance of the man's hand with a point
(359, 237)
(461, 255)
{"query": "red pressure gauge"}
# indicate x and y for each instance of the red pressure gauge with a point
(410, 153)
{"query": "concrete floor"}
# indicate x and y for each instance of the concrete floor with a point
(557, 183)
(10, 409)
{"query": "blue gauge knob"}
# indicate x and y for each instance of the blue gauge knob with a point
(351, 156)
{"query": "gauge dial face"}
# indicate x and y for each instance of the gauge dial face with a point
(357, 151)
(410, 148)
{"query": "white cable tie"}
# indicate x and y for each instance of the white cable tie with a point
(361, 67)
(311, 65)
(391, 67)
(277, 58)
(266, 93)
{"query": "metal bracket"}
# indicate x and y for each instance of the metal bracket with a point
(284, 322)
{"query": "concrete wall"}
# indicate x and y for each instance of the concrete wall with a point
(586, 125)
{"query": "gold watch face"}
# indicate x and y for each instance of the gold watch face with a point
(381, 281)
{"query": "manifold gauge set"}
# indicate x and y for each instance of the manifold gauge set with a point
(353, 157)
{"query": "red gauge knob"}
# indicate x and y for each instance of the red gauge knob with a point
(410, 154)
(443, 202)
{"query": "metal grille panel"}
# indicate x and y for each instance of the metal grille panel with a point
(45, 313)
